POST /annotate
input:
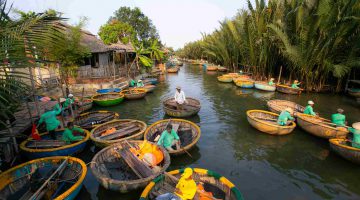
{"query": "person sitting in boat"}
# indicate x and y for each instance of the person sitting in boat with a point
(285, 117)
(169, 138)
(295, 85)
(355, 130)
(139, 83)
(132, 83)
(180, 98)
(185, 189)
(338, 118)
(69, 102)
(309, 110)
(271, 82)
(68, 135)
(51, 122)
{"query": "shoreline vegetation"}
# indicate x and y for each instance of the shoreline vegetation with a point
(315, 42)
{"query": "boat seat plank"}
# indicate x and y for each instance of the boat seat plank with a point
(186, 106)
(46, 143)
(120, 133)
(139, 167)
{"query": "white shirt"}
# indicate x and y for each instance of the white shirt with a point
(180, 97)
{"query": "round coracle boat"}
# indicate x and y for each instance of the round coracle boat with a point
(278, 105)
(108, 90)
(225, 79)
(355, 92)
(288, 90)
(261, 85)
(172, 70)
(212, 68)
(244, 82)
(85, 105)
(91, 119)
(192, 107)
(108, 99)
(222, 69)
(149, 88)
(133, 94)
(344, 148)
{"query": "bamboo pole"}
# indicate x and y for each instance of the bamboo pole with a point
(12, 136)
(279, 75)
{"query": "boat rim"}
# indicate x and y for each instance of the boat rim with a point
(336, 142)
(114, 93)
(248, 113)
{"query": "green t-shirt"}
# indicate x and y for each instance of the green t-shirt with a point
(139, 84)
(132, 83)
(284, 117)
(167, 139)
(271, 83)
(50, 119)
(338, 119)
(309, 110)
(67, 102)
(295, 85)
(68, 136)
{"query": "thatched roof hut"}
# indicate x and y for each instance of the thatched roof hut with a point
(121, 47)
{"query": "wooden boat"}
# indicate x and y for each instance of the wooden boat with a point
(345, 150)
(111, 169)
(225, 79)
(108, 90)
(244, 82)
(48, 147)
(25, 181)
(222, 69)
(108, 99)
(116, 131)
(90, 120)
(288, 90)
(213, 182)
(191, 108)
(261, 85)
(172, 70)
(188, 132)
(355, 92)
(211, 68)
(85, 105)
(266, 122)
(319, 127)
(149, 88)
(277, 105)
(136, 93)
(152, 81)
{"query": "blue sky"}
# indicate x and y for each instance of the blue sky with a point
(178, 21)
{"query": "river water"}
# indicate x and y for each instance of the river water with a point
(296, 166)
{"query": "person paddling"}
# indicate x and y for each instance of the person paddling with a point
(51, 122)
(69, 102)
(139, 83)
(295, 85)
(271, 81)
(338, 118)
(285, 117)
(180, 98)
(68, 135)
(169, 138)
(309, 109)
(355, 130)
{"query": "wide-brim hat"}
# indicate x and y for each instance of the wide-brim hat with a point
(339, 110)
(187, 173)
(290, 110)
(178, 87)
(311, 102)
(356, 125)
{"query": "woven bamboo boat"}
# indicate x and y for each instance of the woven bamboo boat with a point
(222, 69)
(345, 150)
(266, 122)
(278, 105)
(191, 108)
(212, 68)
(108, 90)
(113, 173)
(48, 147)
(149, 88)
(117, 131)
(288, 90)
(22, 181)
(172, 70)
(188, 132)
(219, 186)
(355, 92)
(244, 82)
(133, 94)
(261, 85)
(319, 127)
(108, 99)
(85, 105)
(225, 79)
(90, 120)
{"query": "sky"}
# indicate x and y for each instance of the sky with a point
(178, 21)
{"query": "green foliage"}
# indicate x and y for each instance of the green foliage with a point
(115, 31)
(145, 31)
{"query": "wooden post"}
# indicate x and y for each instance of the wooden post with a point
(126, 69)
(28, 107)
(32, 92)
(12, 136)
(279, 75)
(113, 63)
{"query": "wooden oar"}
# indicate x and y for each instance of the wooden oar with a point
(329, 123)
(107, 116)
(62, 165)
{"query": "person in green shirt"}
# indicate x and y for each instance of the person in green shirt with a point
(285, 117)
(69, 102)
(271, 82)
(132, 83)
(139, 83)
(295, 85)
(169, 138)
(338, 118)
(355, 130)
(309, 109)
(68, 135)
(51, 122)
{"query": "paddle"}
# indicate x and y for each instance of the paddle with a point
(329, 123)
(107, 116)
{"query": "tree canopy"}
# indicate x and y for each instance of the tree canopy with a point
(115, 31)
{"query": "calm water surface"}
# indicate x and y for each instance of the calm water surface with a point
(297, 166)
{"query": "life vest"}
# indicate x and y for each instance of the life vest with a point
(108, 131)
(150, 152)
(204, 195)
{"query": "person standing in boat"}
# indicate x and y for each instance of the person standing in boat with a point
(69, 102)
(271, 82)
(295, 85)
(180, 98)
(285, 117)
(169, 138)
(68, 135)
(355, 130)
(338, 118)
(309, 110)
(139, 83)
(185, 189)
(51, 122)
